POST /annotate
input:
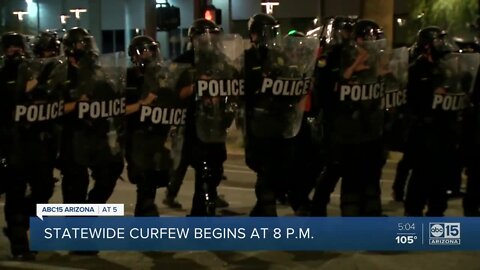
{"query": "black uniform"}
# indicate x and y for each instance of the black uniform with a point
(270, 157)
(179, 173)
(435, 136)
(148, 160)
(471, 155)
(29, 127)
(328, 62)
(206, 158)
(353, 129)
(431, 164)
(87, 143)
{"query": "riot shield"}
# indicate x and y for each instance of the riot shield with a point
(100, 109)
(455, 83)
(219, 86)
(157, 143)
(286, 73)
(38, 107)
(358, 116)
(394, 76)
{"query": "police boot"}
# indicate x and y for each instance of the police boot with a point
(146, 210)
(170, 202)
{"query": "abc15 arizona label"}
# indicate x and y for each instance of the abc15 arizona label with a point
(444, 233)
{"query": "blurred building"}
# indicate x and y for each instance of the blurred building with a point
(115, 22)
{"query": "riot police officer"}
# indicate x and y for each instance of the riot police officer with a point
(471, 150)
(332, 44)
(206, 158)
(307, 150)
(46, 45)
(272, 119)
(15, 173)
(433, 141)
(262, 29)
(148, 160)
(471, 142)
(89, 141)
(354, 125)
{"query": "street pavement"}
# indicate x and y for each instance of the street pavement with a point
(238, 191)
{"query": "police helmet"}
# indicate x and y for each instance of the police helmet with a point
(46, 41)
(367, 30)
(265, 26)
(337, 30)
(436, 40)
(141, 44)
(78, 41)
(13, 39)
(202, 26)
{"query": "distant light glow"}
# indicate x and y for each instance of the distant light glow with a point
(208, 15)
(311, 32)
(32, 8)
(63, 19)
(78, 11)
(269, 6)
(20, 14)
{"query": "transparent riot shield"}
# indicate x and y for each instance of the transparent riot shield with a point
(455, 83)
(393, 72)
(158, 142)
(100, 109)
(394, 76)
(37, 108)
(278, 102)
(452, 84)
(359, 116)
(219, 86)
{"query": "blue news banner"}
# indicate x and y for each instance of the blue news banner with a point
(248, 233)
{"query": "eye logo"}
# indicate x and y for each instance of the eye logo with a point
(436, 230)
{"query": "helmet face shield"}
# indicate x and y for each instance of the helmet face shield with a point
(78, 42)
(441, 47)
(13, 43)
(379, 45)
(46, 44)
(87, 44)
(140, 54)
(335, 36)
(436, 42)
(337, 31)
(265, 35)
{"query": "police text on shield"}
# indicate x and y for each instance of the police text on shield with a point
(101, 109)
(220, 88)
(286, 87)
(38, 112)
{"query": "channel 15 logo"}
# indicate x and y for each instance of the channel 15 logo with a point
(444, 233)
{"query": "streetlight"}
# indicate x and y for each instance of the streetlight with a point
(269, 6)
(63, 20)
(20, 14)
(77, 12)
